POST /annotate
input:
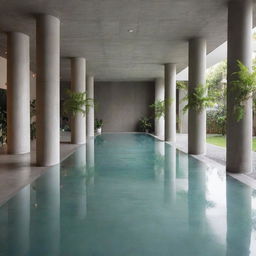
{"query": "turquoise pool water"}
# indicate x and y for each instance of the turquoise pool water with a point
(130, 195)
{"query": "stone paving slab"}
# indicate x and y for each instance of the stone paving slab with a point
(215, 153)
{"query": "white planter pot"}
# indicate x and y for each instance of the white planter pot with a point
(99, 130)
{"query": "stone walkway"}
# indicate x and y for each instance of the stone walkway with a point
(215, 153)
(17, 171)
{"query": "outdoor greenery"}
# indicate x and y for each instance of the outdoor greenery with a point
(220, 141)
(181, 85)
(145, 124)
(216, 120)
(199, 99)
(77, 102)
(243, 88)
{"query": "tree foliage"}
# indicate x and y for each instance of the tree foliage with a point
(243, 88)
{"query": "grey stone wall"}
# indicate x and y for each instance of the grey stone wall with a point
(122, 104)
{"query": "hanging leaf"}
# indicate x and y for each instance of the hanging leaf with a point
(159, 107)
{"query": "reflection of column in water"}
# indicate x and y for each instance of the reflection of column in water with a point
(46, 224)
(74, 185)
(170, 174)
(19, 223)
(238, 218)
(182, 165)
(90, 160)
(196, 194)
(159, 160)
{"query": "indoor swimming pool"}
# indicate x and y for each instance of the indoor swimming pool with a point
(130, 195)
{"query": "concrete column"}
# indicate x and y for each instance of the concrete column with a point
(18, 93)
(48, 91)
(239, 133)
(159, 96)
(90, 113)
(196, 119)
(170, 102)
(78, 122)
(183, 117)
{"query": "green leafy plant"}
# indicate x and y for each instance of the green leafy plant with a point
(199, 99)
(243, 88)
(145, 124)
(77, 102)
(32, 119)
(3, 126)
(98, 123)
(159, 107)
(182, 85)
(216, 120)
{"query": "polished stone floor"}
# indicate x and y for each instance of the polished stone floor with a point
(16, 171)
(215, 153)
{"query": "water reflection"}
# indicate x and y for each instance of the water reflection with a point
(45, 230)
(159, 160)
(73, 179)
(170, 174)
(196, 194)
(90, 160)
(182, 165)
(19, 223)
(239, 219)
(125, 213)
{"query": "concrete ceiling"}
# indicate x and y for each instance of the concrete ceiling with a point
(98, 31)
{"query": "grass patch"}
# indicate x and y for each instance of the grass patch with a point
(220, 141)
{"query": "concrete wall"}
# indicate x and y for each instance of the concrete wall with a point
(122, 104)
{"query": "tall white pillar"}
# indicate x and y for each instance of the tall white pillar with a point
(239, 133)
(183, 117)
(18, 93)
(196, 119)
(159, 96)
(78, 122)
(170, 102)
(48, 90)
(90, 113)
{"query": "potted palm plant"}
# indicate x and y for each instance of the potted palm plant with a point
(98, 125)
(145, 124)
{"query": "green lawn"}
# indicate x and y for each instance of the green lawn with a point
(219, 140)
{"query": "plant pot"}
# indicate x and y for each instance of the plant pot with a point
(99, 130)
